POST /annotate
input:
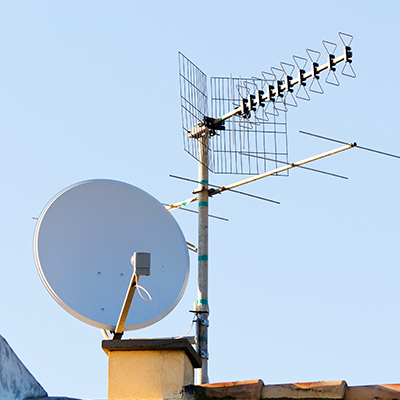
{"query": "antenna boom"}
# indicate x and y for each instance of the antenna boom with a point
(269, 173)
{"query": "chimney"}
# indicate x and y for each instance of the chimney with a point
(149, 369)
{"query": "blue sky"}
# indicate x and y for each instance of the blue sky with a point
(301, 291)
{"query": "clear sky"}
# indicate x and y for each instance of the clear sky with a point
(302, 291)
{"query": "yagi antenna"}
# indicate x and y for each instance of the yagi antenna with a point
(244, 131)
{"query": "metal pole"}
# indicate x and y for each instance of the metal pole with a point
(202, 292)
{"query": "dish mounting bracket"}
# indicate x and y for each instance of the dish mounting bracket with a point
(141, 266)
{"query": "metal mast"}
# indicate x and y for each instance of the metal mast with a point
(202, 288)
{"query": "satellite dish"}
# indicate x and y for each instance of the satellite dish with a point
(83, 243)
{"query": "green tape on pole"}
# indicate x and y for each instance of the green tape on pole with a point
(203, 258)
(203, 203)
(204, 182)
(202, 301)
(202, 339)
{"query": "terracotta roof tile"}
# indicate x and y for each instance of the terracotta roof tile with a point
(256, 390)
(307, 390)
(373, 392)
(243, 390)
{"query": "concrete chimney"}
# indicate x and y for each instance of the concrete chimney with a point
(149, 369)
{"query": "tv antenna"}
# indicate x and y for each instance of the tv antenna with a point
(86, 241)
(245, 134)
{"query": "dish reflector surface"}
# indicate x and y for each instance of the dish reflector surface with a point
(83, 243)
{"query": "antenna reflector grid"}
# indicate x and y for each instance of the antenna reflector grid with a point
(258, 133)
(194, 105)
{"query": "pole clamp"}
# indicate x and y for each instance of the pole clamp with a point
(204, 354)
(198, 190)
(204, 322)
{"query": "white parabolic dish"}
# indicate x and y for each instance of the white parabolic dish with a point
(83, 243)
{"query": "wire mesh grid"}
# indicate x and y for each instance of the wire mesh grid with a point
(251, 145)
(194, 103)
